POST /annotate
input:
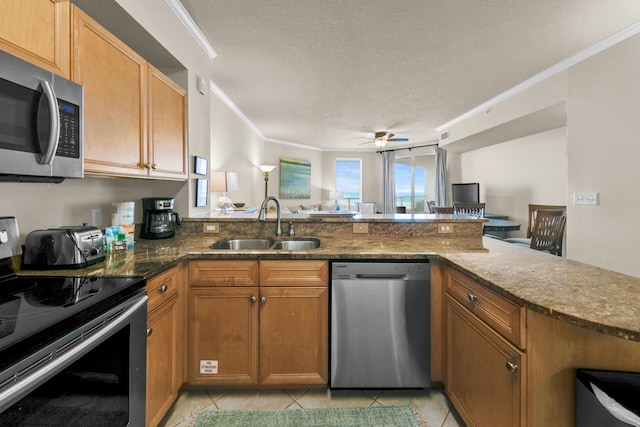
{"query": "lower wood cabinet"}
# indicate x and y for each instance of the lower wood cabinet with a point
(485, 376)
(485, 357)
(258, 323)
(165, 343)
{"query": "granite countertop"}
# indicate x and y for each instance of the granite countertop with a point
(580, 294)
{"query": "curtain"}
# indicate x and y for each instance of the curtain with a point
(389, 182)
(442, 198)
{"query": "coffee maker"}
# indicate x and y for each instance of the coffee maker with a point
(158, 218)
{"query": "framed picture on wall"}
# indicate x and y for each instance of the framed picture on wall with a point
(295, 179)
(201, 165)
(202, 192)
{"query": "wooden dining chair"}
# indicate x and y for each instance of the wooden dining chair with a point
(466, 208)
(548, 230)
(442, 210)
(533, 210)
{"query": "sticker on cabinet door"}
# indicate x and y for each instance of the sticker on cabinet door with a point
(208, 366)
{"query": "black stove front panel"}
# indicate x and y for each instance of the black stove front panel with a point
(35, 310)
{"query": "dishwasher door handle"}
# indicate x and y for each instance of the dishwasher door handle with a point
(382, 276)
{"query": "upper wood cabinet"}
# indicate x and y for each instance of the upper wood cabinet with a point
(115, 106)
(167, 154)
(135, 117)
(37, 31)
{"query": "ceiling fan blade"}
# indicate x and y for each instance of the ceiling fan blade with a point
(398, 139)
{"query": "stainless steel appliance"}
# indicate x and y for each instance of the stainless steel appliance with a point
(41, 114)
(72, 349)
(380, 317)
(158, 218)
(607, 398)
(63, 247)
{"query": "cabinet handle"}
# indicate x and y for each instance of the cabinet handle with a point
(147, 165)
(162, 289)
(252, 299)
(511, 367)
(153, 166)
(472, 297)
(263, 300)
(149, 331)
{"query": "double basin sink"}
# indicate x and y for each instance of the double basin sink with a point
(267, 244)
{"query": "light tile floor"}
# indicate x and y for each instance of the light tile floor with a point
(431, 406)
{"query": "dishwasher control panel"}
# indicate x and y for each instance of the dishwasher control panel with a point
(380, 270)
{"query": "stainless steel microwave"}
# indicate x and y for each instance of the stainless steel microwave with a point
(41, 129)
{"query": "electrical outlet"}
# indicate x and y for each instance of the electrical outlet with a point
(96, 217)
(361, 228)
(445, 228)
(585, 198)
(211, 227)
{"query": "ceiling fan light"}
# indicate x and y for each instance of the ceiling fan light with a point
(381, 143)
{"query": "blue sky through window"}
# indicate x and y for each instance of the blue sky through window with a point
(348, 178)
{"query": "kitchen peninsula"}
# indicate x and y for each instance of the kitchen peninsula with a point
(543, 316)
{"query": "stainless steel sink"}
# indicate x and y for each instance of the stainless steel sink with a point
(243, 244)
(266, 244)
(296, 245)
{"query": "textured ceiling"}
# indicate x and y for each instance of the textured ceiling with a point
(327, 73)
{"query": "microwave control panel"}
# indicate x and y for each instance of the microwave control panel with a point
(68, 143)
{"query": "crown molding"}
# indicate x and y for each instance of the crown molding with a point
(186, 20)
(549, 72)
(215, 89)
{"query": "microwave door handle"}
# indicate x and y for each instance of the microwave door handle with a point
(54, 129)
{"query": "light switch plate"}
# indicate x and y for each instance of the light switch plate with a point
(585, 198)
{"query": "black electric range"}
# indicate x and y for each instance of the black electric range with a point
(35, 310)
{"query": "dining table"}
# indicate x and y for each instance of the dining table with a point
(500, 227)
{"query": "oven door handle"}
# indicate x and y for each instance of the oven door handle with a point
(35, 374)
(54, 128)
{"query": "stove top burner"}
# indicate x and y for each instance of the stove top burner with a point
(35, 309)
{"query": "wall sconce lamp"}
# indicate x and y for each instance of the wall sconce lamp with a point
(336, 195)
(265, 170)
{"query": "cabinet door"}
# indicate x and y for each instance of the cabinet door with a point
(485, 373)
(163, 380)
(223, 335)
(293, 335)
(37, 31)
(115, 100)
(167, 127)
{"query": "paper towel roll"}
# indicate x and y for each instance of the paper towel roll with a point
(122, 213)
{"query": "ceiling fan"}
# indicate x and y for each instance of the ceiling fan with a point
(382, 138)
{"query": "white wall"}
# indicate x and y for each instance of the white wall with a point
(604, 157)
(531, 169)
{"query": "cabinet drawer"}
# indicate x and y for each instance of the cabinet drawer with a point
(162, 288)
(294, 273)
(223, 273)
(501, 314)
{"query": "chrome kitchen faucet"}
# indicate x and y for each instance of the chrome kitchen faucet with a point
(262, 216)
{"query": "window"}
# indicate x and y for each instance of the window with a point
(415, 182)
(349, 182)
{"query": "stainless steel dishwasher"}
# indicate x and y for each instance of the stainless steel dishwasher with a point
(380, 325)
